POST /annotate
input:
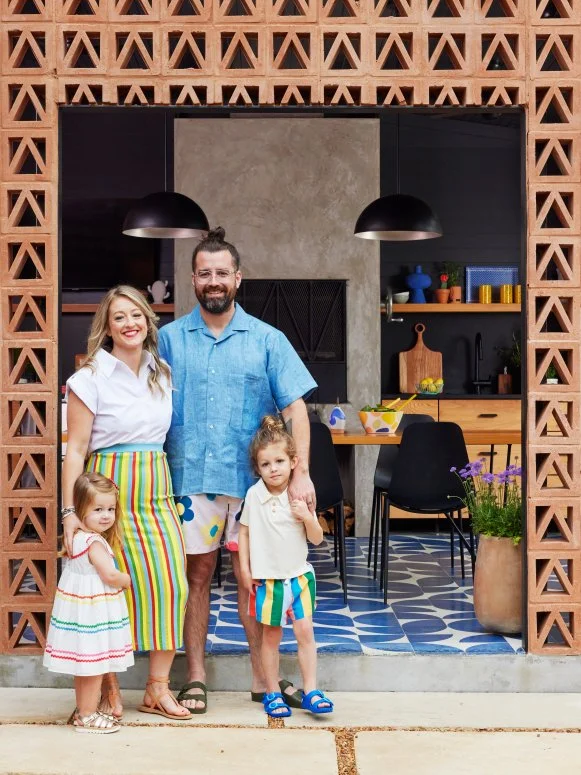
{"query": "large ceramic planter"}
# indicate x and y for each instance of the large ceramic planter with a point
(498, 585)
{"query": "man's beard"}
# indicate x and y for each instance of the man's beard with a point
(216, 304)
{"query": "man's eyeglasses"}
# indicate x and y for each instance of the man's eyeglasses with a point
(220, 274)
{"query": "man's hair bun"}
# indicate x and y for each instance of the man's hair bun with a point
(217, 234)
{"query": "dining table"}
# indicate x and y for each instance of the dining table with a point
(482, 437)
(485, 437)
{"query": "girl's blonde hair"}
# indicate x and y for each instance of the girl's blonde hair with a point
(85, 490)
(98, 336)
(272, 430)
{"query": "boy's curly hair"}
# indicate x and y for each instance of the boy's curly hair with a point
(272, 430)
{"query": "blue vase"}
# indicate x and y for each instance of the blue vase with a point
(417, 282)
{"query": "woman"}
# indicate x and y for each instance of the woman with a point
(118, 413)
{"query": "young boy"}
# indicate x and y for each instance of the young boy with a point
(273, 562)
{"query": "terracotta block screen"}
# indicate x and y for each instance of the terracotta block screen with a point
(288, 53)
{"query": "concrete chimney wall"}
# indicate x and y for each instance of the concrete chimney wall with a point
(288, 192)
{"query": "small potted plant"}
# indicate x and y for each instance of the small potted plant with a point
(511, 360)
(551, 376)
(494, 502)
(443, 292)
(453, 271)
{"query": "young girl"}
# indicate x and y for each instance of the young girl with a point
(89, 631)
(273, 563)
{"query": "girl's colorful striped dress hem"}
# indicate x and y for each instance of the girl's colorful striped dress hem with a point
(89, 628)
(152, 547)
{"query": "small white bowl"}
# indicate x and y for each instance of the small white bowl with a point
(401, 298)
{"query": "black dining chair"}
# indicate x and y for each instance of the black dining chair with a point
(422, 482)
(381, 480)
(324, 471)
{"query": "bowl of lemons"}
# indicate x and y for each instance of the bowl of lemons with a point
(430, 386)
(378, 419)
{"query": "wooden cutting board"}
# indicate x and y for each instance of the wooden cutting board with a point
(418, 363)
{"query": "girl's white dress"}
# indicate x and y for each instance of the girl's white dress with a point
(89, 630)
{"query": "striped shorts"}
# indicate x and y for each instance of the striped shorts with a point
(276, 601)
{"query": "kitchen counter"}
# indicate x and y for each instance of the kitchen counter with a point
(455, 396)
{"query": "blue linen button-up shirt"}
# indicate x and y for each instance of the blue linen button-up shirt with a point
(223, 387)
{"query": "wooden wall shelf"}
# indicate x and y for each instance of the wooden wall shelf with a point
(79, 308)
(453, 308)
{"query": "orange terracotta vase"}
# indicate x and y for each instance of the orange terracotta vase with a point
(455, 293)
(498, 585)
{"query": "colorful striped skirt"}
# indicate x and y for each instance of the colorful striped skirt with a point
(152, 547)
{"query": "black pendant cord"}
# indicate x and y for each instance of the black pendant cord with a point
(165, 150)
(397, 155)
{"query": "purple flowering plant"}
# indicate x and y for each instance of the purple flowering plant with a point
(494, 501)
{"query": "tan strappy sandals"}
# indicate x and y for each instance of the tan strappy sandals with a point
(158, 694)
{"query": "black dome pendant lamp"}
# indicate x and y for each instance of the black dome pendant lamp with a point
(398, 217)
(166, 214)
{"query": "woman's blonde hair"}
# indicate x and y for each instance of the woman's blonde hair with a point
(272, 430)
(85, 490)
(98, 336)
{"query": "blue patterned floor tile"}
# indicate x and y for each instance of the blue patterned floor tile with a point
(423, 626)
(332, 619)
(330, 632)
(344, 647)
(378, 631)
(431, 637)
(435, 648)
(383, 619)
(490, 648)
(372, 640)
(483, 638)
(229, 648)
(357, 606)
(394, 648)
(288, 648)
(467, 625)
(230, 634)
(429, 608)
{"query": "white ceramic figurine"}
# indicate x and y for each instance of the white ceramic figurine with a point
(158, 291)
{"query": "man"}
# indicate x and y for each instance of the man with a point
(229, 369)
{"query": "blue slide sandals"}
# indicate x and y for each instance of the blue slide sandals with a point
(316, 702)
(275, 705)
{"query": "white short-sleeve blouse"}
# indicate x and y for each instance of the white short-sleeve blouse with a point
(125, 409)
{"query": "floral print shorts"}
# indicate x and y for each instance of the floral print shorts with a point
(206, 519)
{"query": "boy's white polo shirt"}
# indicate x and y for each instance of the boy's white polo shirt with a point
(278, 542)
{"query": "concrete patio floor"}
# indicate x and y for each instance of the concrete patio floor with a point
(370, 733)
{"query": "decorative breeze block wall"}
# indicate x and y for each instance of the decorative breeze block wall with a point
(291, 53)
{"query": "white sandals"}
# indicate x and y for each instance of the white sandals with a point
(96, 724)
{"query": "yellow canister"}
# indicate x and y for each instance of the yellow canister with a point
(485, 294)
(516, 294)
(506, 294)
